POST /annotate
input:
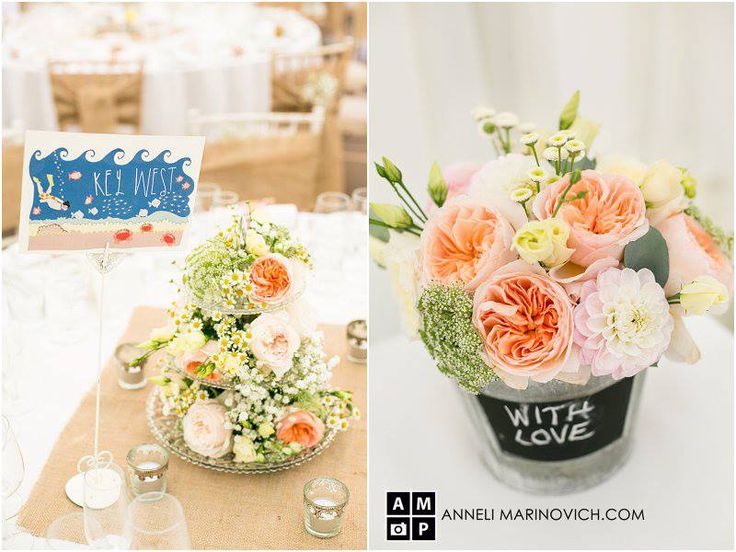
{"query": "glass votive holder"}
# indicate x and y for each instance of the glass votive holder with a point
(325, 499)
(147, 466)
(129, 377)
(357, 333)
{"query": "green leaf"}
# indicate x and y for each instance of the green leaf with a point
(570, 111)
(393, 215)
(437, 186)
(649, 251)
(378, 232)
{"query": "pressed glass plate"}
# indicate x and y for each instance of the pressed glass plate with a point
(168, 432)
(239, 310)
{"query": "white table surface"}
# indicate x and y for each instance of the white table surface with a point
(58, 368)
(681, 471)
(215, 60)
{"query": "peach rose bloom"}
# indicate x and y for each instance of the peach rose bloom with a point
(611, 214)
(191, 362)
(204, 429)
(271, 278)
(526, 323)
(300, 426)
(465, 242)
(693, 253)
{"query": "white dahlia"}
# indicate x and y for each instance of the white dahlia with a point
(622, 323)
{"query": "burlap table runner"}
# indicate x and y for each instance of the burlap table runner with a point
(222, 510)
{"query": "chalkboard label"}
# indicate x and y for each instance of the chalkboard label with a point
(560, 430)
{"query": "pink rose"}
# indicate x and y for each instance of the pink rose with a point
(457, 176)
(300, 426)
(274, 341)
(190, 362)
(572, 277)
(204, 429)
(611, 214)
(525, 321)
(693, 253)
(465, 242)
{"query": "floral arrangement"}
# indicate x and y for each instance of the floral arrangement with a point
(253, 384)
(550, 262)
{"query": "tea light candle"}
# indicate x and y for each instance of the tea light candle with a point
(357, 333)
(129, 377)
(325, 500)
(147, 465)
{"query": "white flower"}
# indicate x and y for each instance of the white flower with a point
(204, 429)
(557, 140)
(520, 195)
(622, 322)
(702, 294)
(575, 146)
(260, 215)
(186, 342)
(537, 174)
(494, 183)
(631, 168)
(162, 334)
(244, 449)
(527, 128)
(662, 191)
(555, 154)
(481, 113)
(506, 119)
(529, 139)
(402, 263)
(255, 244)
(274, 342)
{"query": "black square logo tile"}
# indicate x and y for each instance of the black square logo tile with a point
(398, 528)
(422, 503)
(422, 528)
(398, 503)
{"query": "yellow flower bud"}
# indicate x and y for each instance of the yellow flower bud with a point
(255, 243)
(702, 294)
(265, 430)
(543, 241)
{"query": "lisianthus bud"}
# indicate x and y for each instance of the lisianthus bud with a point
(543, 241)
(393, 215)
(437, 186)
(702, 294)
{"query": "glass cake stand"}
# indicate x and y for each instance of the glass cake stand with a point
(212, 305)
(167, 431)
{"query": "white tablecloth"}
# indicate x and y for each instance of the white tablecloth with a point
(53, 314)
(681, 471)
(216, 60)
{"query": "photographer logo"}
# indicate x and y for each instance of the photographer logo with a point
(410, 515)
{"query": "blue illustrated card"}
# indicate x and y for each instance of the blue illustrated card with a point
(89, 191)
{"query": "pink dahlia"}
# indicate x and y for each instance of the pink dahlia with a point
(622, 323)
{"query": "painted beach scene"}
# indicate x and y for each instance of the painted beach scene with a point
(121, 200)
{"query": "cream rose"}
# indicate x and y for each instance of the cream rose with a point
(255, 244)
(186, 342)
(702, 295)
(663, 193)
(204, 429)
(629, 167)
(274, 342)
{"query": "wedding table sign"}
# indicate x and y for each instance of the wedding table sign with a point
(89, 192)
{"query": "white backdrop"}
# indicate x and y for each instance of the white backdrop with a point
(659, 77)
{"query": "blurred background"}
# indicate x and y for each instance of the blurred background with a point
(278, 89)
(658, 76)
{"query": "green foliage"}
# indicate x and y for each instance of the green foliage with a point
(451, 338)
(570, 111)
(378, 232)
(650, 251)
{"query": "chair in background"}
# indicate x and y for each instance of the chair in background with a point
(262, 155)
(12, 176)
(300, 81)
(97, 96)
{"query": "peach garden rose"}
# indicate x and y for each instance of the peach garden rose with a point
(274, 342)
(525, 321)
(465, 242)
(300, 426)
(692, 253)
(610, 215)
(271, 278)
